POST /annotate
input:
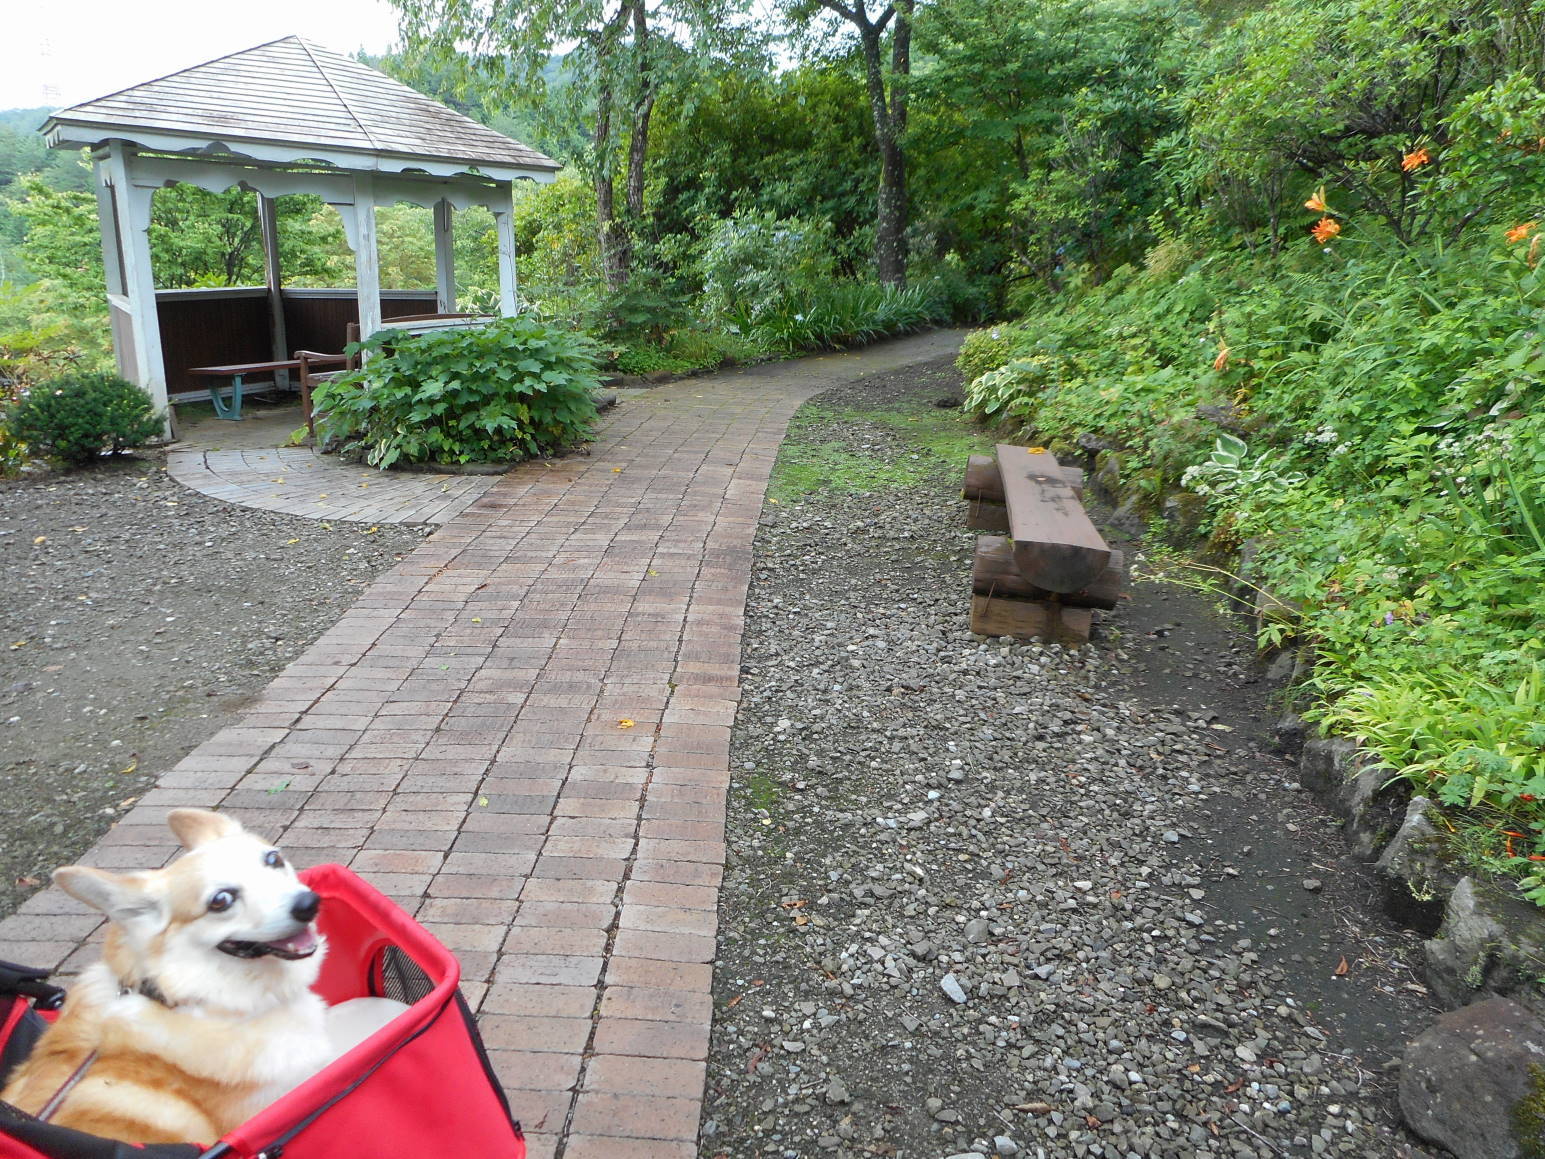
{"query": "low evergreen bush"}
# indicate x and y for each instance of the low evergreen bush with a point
(513, 389)
(75, 417)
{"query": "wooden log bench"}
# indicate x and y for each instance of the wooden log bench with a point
(1053, 569)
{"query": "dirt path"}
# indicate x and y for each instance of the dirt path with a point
(999, 897)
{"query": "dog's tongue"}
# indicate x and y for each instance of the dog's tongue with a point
(298, 944)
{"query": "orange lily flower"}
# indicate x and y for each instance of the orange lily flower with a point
(1317, 202)
(1519, 232)
(1220, 363)
(1415, 160)
(1325, 229)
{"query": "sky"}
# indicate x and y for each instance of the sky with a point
(68, 51)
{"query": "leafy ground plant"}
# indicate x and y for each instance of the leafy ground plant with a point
(510, 390)
(75, 417)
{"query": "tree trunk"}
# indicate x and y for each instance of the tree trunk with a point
(889, 112)
(643, 107)
(614, 256)
(611, 234)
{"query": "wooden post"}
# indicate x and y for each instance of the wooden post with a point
(268, 227)
(367, 263)
(509, 290)
(126, 251)
(445, 258)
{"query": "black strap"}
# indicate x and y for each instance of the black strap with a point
(30, 982)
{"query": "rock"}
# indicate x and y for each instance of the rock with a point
(1184, 511)
(837, 1092)
(1289, 734)
(1370, 805)
(952, 988)
(1415, 876)
(1313, 884)
(977, 930)
(1489, 943)
(1474, 1082)
(1171, 837)
(1004, 1145)
(1280, 670)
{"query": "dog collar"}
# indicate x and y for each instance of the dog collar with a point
(148, 989)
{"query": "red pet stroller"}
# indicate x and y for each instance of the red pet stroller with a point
(421, 1086)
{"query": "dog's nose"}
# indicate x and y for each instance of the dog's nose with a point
(304, 907)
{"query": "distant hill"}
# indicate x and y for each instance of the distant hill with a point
(23, 120)
(22, 151)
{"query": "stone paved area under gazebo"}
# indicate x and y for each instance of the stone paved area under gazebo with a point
(522, 734)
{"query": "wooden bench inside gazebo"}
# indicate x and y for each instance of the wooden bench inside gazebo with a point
(281, 118)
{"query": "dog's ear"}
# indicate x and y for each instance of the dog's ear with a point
(124, 897)
(194, 827)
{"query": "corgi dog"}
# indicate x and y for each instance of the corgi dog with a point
(200, 1012)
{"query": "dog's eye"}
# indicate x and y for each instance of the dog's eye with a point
(222, 900)
(273, 859)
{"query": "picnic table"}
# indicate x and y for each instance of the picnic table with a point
(236, 372)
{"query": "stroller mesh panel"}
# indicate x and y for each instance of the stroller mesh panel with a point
(401, 977)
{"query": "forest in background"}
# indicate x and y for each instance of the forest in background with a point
(1275, 264)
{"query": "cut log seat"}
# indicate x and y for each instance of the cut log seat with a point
(984, 482)
(994, 573)
(1055, 544)
(1024, 619)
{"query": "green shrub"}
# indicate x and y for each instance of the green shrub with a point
(754, 264)
(509, 390)
(75, 417)
(989, 349)
(839, 313)
(643, 358)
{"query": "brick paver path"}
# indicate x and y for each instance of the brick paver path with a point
(522, 734)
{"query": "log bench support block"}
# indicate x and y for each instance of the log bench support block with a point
(1031, 619)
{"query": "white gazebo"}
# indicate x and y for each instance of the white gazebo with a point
(286, 117)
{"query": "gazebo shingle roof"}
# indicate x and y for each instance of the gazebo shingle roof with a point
(297, 93)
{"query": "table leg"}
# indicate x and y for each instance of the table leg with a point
(231, 410)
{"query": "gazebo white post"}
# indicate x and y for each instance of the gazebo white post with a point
(126, 248)
(367, 265)
(445, 259)
(504, 220)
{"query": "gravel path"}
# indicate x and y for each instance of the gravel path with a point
(138, 617)
(990, 897)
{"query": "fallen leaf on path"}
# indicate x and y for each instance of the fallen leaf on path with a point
(40, 539)
(624, 723)
(1342, 968)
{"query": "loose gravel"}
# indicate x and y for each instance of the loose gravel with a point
(138, 618)
(988, 897)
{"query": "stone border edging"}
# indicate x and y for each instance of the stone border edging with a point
(1482, 940)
